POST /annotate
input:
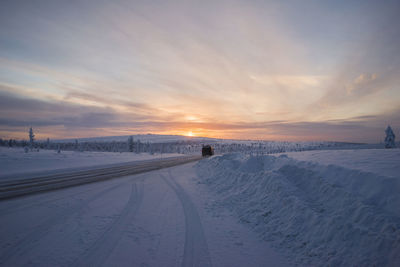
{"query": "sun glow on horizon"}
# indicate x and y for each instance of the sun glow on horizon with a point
(263, 71)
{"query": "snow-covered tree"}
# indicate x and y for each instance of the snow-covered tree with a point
(390, 138)
(138, 146)
(76, 145)
(31, 137)
(130, 144)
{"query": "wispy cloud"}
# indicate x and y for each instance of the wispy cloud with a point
(84, 120)
(239, 65)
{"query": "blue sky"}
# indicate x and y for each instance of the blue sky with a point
(280, 70)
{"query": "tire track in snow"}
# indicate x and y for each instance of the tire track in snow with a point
(102, 248)
(42, 199)
(29, 241)
(196, 249)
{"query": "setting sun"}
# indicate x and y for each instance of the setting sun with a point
(264, 71)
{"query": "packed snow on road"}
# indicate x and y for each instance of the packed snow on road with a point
(14, 161)
(312, 208)
(159, 218)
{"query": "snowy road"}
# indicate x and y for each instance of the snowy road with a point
(10, 188)
(158, 218)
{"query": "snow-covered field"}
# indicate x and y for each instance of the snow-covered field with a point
(324, 208)
(15, 161)
(318, 208)
(379, 161)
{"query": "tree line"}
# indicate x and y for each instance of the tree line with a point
(183, 146)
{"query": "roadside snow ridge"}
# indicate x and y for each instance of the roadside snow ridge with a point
(317, 214)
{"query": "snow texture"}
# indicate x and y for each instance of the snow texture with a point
(158, 218)
(320, 215)
(381, 162)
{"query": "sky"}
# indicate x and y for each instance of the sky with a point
(273, 70)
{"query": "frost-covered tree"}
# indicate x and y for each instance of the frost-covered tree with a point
(31, 137)
(161, 149)
(130, 144)
(390, 138)
(76, 147)
(138, 146)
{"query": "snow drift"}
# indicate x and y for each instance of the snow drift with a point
(317, 214)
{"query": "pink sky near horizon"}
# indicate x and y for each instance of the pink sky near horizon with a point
(226, 69)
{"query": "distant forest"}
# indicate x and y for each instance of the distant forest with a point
(181, 147)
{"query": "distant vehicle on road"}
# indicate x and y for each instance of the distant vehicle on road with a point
(207, 151)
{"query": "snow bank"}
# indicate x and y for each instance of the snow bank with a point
(320, 215)
(15, 161)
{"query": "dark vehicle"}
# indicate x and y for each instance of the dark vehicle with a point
(207, 151)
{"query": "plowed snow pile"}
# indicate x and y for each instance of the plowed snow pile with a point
(323, 215)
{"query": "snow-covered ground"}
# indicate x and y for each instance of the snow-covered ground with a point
(324, 208)
(159, 218)
(317, 208)
(15, 161)
(379, 161)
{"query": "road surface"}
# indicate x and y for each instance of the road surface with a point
(158, 218)
(15, 187)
